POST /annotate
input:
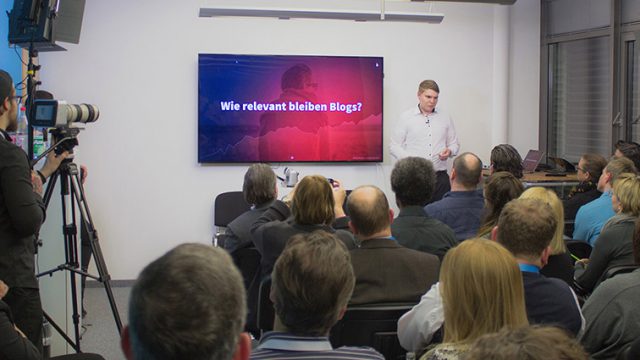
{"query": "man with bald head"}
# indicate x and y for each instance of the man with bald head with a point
(461, 208)
(385, 270)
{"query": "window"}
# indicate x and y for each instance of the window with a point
(591, 91)
(579, 100)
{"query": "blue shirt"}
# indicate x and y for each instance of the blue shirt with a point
(591, 217)
(460, 210)
(280, 345)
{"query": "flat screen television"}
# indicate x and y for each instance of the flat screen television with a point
(274, 108)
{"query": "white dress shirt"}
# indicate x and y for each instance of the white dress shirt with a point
(424, 135)
(416, 327)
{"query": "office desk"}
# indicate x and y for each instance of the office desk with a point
(560, 184)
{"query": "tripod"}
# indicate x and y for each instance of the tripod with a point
(72, 194)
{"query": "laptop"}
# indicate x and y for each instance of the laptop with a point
(563, 164)
(531, 161)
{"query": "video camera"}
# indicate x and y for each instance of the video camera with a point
(59, 114)
(59, 117)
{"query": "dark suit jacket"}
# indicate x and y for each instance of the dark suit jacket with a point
(12, 344)
(21, 214)
(238, 232)
(414, 229)
(274, 228)
(387, 272)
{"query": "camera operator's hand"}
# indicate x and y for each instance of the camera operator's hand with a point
(52, 163)
(4, 289)
(339, 196)
(84, 173)
(36, 181)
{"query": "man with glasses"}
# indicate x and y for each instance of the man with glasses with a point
(21, 214)
(589, 170)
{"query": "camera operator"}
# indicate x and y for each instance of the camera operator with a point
(21, 214)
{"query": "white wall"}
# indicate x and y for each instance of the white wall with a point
(524, 75)
(137, 60)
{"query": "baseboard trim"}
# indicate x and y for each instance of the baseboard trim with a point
(114, 283)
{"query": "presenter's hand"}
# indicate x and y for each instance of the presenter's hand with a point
(444, 155)
(52, 163)
(4, 289)
(36, 181)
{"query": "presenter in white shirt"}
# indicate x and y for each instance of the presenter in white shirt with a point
(427, 132)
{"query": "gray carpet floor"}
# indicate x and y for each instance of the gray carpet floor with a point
(100, 332)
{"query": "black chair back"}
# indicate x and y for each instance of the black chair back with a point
(617, 270)
(578, 248)
(227, 207)
(248, 262)
(371, 325)
(266, 312)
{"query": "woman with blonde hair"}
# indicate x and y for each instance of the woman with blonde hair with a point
(559, 264)
(614, 246)
(482, 292)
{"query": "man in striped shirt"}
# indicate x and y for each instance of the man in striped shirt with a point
(311, 285)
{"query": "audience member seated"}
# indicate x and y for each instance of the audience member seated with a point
(461, 208)
(529, 342)
(14, 345)
(413, 181)
(592, 216)
(505, 157)
(313, 208)
(614, 246)
(630, 150)
(589, 170)
(559, 265)
(632, 352)
(311, 285)
(499, 188)
(482, 293)
(386, 272)
(187, 304)
(525, 228)
(259, 190)
(613, 321)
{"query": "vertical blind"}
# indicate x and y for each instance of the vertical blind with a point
(580, 119)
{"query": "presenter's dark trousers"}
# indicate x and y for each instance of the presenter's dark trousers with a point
(442, 186)
(26, 309)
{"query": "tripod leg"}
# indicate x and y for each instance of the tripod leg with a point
(101, 265)
(61, 332)
(85, 259)
(71, 247)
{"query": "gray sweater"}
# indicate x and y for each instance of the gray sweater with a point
(612, 319)
(614, 248)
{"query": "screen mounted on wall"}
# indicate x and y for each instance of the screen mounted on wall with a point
(268, 108)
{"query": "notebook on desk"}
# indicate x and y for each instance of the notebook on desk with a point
(531, 161)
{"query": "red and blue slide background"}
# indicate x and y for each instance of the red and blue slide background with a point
(226, 136)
